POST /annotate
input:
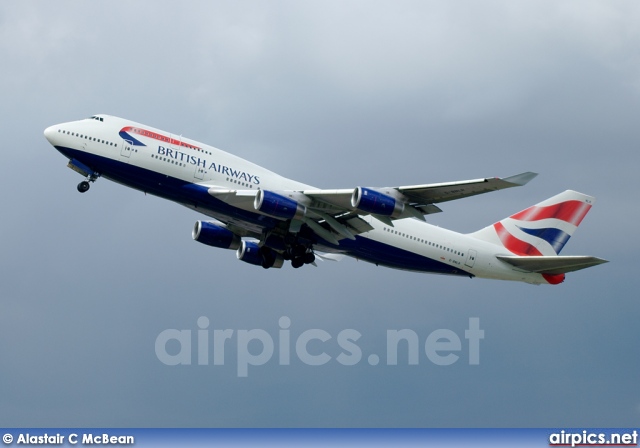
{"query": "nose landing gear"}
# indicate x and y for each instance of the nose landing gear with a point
(90, 174)
(84, 186)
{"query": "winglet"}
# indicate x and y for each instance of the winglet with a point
(520, 179)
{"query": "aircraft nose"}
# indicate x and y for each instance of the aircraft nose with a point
(49, 133)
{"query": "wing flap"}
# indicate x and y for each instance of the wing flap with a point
(552, 265)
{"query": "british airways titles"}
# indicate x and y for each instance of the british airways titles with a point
(197, 161)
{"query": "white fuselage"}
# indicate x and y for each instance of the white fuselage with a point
(174, 167)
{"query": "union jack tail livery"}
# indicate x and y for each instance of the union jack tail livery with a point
(535, 236)
(542, 229)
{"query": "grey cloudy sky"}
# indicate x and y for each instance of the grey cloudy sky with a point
(334, 94)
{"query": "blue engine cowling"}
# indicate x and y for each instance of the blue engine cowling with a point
(214, 235)
(372, 201)
(274, 204)
(251, 253)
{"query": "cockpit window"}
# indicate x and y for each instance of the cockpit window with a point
(95, 117)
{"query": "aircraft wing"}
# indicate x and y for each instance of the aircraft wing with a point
(337, 214)
(435, 193)
(552, 265)
(420, 199)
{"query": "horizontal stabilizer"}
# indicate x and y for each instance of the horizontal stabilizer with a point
(552, 265)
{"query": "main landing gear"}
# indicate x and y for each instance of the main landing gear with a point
(299, 255)
(84, 186)
(307, 258)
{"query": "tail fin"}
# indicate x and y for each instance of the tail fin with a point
(540, 230)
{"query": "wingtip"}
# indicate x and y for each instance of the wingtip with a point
(520, 179)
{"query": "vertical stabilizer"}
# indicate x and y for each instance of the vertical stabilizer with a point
(540, 230)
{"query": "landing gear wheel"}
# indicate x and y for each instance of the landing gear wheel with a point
(299, 250)
(83, 186)
(297, 262)
(309, 258)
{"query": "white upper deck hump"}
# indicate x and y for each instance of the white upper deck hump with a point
(131, 130)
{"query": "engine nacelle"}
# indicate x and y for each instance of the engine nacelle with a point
(372, 201)
(251, 253)
(213, 235)
(274, 204)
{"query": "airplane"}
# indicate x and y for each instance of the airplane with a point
(269, 219)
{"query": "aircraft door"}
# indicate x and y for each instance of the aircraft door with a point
(126, 148)
(471, 258)
(199, 173)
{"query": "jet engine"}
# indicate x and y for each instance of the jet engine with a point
(213, 235)
(274, 204)
(251, 253)
(372, 201)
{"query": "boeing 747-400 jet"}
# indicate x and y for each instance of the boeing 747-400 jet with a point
(268, 218)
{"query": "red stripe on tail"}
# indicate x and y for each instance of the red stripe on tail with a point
(514, 244)
(572, 212)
